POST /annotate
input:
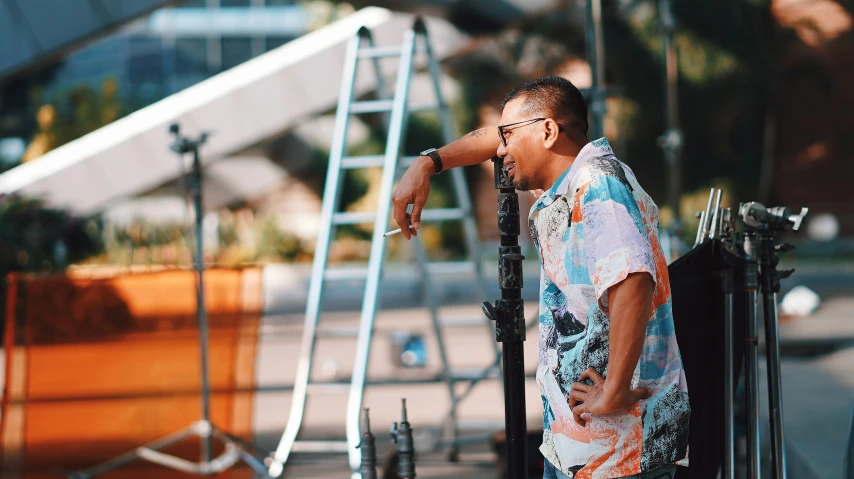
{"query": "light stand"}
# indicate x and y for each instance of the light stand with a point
(671, 141)
(751, 353)
(235, 448)
(401, 436)
(731, 262)
(368, 447)
(509, 316)
(763, 223)
(753, 253)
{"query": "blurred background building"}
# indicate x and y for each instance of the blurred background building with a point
(764, 106)
(88, 89)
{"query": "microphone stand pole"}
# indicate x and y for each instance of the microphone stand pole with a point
(509, 316)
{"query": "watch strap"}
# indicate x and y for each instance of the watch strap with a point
(437, 160)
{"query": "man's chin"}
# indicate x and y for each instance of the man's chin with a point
(520, 185)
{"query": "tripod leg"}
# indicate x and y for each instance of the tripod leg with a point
(751, 353)
(751, 383)
(775, 399)
(729, 386)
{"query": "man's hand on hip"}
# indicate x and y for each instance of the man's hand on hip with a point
(601, 399)
(413, 189)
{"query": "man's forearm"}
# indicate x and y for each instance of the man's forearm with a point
(471, 149)
(629, 305)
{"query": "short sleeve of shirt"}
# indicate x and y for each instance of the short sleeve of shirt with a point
(616, 241)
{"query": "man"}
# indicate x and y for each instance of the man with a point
(614, 394)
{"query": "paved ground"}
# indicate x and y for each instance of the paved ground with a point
(469, 347)
(817, 375)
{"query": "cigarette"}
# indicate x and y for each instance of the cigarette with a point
(394, 232)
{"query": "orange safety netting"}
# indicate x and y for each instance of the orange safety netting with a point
(97, 366)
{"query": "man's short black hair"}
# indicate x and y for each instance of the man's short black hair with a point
(554, 97)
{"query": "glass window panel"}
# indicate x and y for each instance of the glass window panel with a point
(235, 51)
(275, 42)
(191, 56)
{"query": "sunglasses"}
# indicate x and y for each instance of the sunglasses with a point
(519, 124)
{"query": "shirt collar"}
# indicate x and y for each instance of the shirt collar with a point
(594, 149)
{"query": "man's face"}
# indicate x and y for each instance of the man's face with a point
(524, 149)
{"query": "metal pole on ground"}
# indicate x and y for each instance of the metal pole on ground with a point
(509, 316)
(595, 45)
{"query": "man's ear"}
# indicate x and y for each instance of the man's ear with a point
(550, 133)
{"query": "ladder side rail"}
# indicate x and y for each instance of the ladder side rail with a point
(429, 292)
(382, 89)
(329, 204)
(458, 176)
(369, 303)
(428, 289)
(463, 196)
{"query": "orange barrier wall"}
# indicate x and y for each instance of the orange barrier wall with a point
(96, 366)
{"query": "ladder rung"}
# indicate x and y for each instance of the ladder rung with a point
(337, 332)
(367, 161)
(443, 214)
(328, 387)
(471, 374)
(346, 274)
(450, 267)
(382, 106)
(418, 108)
(371, 106)
(380, 52)
(462, 321)
(320, 446)
(434, 214)
(353, 218)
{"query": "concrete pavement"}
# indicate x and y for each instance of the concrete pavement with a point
(817, 371)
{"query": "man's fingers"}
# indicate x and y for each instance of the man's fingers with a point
(592, 374)
(577, 411)
(581, 387)
(577, 396)
(642, 393)
(416, 212)
(573, 401)
(576, 404)
(399, 205)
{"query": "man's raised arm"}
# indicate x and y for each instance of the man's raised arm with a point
(414, 188)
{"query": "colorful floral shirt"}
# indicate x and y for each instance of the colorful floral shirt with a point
(592, 228)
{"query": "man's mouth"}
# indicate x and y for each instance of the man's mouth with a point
(509, 168)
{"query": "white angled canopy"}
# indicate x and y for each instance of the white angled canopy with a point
(250, 103)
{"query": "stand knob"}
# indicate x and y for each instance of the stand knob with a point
(394, 432)
(784, 247)
(489, 310)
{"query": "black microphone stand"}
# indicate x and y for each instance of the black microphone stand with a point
(509, 316)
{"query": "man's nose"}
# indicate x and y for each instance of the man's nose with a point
(502, 150)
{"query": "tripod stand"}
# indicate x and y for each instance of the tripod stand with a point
(751, 256)
(235, 449)
(760, 246)
(509, 316)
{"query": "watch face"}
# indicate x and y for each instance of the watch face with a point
(427, 152)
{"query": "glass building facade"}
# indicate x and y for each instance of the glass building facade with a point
(152, 58)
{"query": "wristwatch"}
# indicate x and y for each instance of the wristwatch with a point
(437, 160)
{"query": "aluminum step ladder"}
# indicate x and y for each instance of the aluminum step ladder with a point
(396, 111)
